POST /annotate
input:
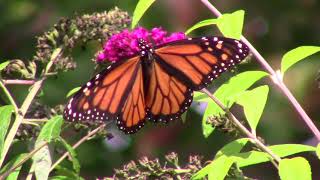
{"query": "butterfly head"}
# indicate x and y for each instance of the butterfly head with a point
(145, 49)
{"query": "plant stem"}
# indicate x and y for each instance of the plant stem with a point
(274, 77)
(252, 137)
(18, 81)
(6, 91)
(77, 144)
(3, 176)
(25, 106)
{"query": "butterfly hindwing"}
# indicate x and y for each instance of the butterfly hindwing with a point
(133, 114)
(198, 61)
(167, 97)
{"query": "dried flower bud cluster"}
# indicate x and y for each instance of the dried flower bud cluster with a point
(69, 32)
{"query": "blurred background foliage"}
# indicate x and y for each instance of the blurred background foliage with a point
(273, 27)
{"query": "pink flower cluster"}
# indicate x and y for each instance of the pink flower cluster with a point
(125, 43)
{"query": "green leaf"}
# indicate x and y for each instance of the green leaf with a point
(14, 161)
(42, 161)
(141, 8)
(296, 55)
(318, 151)
(232, 148)
(231, 25)
(4, 65)
(66, 173)
(216, 170)
(200, 24)
(283, 150)
(73, 91)
(226, 94)
(51, 130)
(5, 117)
(253, 103)
(294, 169)
(220, 166)
(73, 154)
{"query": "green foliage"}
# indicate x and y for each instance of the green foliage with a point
(296, 55)
(13, 162)
(140, 9)
(282, 150)
(229, 24)
(73, 154)
(51, 130)
(318, 151)
(5, 117)
(226, 94)
(42, 159)
(295, 169)
(4, 65)
(253, 103)
(73, 91)
(200, 24)
(222, 162)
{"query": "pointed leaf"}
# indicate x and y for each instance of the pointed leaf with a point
(51, 130)
(73, 154)
(318, 151)
(73, 91)
(220, 168)
(296, 55)
(200, 24)
(295, 169)
(13, 162)
(231, 25)
(232, 148)
(253, 103)
(4, 65)
(42, 161)
(283, 150)
(141, 8)
(5, 117)
(216, 170)
(226, 94)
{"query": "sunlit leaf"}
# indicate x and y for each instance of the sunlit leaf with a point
(253, 103)
(140, 9)
(296, 55)
(216, 170)
(282, 150)
(203, 23)
(231, 25)
(73, 91)
(226, 94)
(232, 148)
(5, 117)
(51, 130)
(295, 169)
(318, 151)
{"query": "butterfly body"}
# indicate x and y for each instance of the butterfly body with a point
(155, 85)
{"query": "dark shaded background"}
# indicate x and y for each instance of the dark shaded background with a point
(273, 27)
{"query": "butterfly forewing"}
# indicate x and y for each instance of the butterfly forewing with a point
(104, 95)
(198, 61)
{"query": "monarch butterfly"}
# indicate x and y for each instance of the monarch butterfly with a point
(156, 84)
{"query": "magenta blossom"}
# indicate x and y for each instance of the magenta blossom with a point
(125, 43)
